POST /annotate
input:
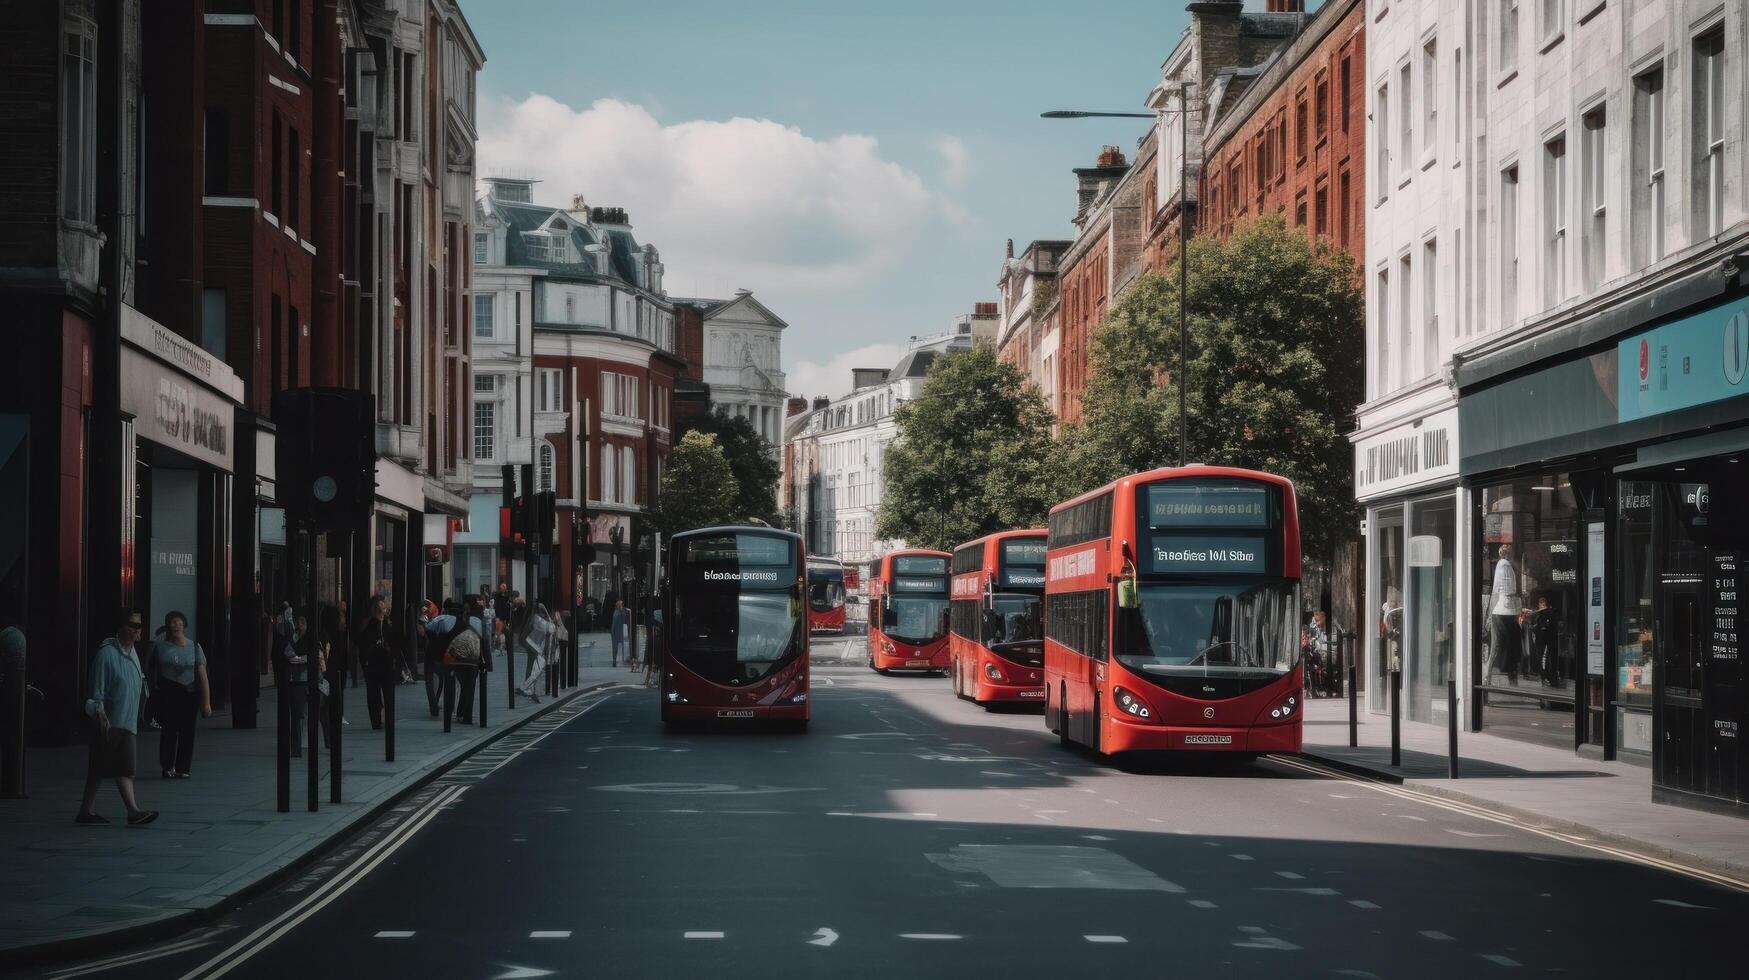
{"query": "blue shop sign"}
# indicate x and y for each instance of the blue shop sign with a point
(1692, 361)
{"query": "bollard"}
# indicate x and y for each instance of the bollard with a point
(1396, 718)
(336, 713)
(1353, 693)
(282, 742)
(448, 698)
(1452, 723)
(391, 689)
(482, 676)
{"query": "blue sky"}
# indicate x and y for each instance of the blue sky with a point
(857, 166)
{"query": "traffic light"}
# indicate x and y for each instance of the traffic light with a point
(324, 455)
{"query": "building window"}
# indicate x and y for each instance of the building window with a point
(1405, 314)
(1381, 127)
(608, 471)
(1508, 54)
(570, 308)
(538, 246)
(79, 121)
(1406, 120)
(1321, 104)
(294, 215)
(1302, 132)
(277, 167)
(1648, 164)
(619, 395)
(550, 389)
(484, 328)
(628, 475)
(1554, 219)
(1550, 25)
(1592, 216)
(1342, 192)
(1708, 126)
(1345, 82)
(1509, 246)
(1382, 319)
(544, 474)
(1429, 97)
(485, 430)
(1457, 105)
(1429, 307)
(485, 384)
(1300, 210)
(1321, 211)
(481, 248)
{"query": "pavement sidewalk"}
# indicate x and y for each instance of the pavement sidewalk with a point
(219, 834)
(1546, 787)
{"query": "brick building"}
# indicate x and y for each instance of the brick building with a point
(1103, 258)
(1026, 336)
(1288, 134)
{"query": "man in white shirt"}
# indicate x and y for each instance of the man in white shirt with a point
(1504, 605)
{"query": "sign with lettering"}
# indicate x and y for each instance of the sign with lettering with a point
(919, 564)
(1225, 554)
(171, 410)
(920, 583)
(1692, 361)
(1183, 504)
(740, 549)
(1594, 551)
(1416, 454)
(1023, 563)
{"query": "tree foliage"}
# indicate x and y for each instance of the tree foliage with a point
(1276, 355)
(750, 459)
(973, 455)
(698, 487)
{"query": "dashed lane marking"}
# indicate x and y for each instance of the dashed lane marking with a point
(1203, 903)
(1681, 905)
(394, 934)
(550, 934)
(1499, 960)
(1436, 935)
(1289, 875)
(1105, 939)
(1241, 857)
(929, 935)
(702, 934)
(1361, 903)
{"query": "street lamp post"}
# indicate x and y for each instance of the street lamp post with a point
(1183, 112)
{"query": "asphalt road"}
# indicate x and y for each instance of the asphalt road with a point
(909, 834)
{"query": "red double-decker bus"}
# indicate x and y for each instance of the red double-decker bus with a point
(825, 595)
(1172, 614)
(736, 634)
(907, 620)
(996, 623)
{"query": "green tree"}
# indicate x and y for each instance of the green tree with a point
(698, 487)
(750, 458)
(1276, 355)
(973, 455)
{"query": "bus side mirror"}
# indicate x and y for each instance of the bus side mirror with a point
(1127, 597)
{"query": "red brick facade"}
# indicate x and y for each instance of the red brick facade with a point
(1294, 140)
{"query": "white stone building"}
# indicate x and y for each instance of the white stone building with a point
(743, 361)
(1558, 320)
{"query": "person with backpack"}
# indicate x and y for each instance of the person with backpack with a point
(543, 636)
(460, 641)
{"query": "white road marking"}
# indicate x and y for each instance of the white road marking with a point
(522, 973)
(1105, 939)
(839, 813)
(550, 934)
(1241, 857)
(129, 959)
(1680, 905)
(1361, 903)
(1094, 837)
(1499, 960)
(823, 937)
(394, 934)
(1468, 833)
(929, 935)
(1436, 935)
(702, 935)
(1289, 875)
(1203, 903)
(1304, 891)
(923, 814)
(1411, 816)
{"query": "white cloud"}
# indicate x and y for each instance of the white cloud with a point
(737, 203)
(807, 379)
(955, 160)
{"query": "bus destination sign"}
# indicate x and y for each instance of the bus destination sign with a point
(743, 549)
(1023, 563)
(1182, 504)
(1206, 554)
(919, 565)
(915, 583)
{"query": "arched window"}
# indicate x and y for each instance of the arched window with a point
(608, 471)
(544, 474)
(628, 479)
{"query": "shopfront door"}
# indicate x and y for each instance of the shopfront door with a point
(1680, 753)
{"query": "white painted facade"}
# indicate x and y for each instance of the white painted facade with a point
(743, 363)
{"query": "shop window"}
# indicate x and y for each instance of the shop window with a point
(1430, 626)
(1528, 639)
(1635, 616)
(1385, 632)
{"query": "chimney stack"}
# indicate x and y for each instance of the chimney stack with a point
(1010, 248)
(821, 401)
(1111, 156)
(795, 407)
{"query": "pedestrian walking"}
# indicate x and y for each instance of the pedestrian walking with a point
(339, 647)
(294, 677)
(117, 685)
(376, 649)
(181, 693)
(609, 603)
(617, 629)
(543, 637)
(1505, 605)
(467, 654)
(1545, 642)
(437, 633)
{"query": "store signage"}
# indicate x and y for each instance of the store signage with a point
(171, 410)
(1724, 666)
(1692, 361)
(1407, 456)
(1594, 600)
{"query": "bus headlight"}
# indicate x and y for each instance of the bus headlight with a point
(675, 698)
(1287, 708)
(994, 673)
(1132, 705)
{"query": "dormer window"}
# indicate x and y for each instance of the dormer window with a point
(551, 243)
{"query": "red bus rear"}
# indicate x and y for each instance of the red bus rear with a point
(907, 619)
(1172, 614)
(996, 626)
(736, 642)
(825, 595)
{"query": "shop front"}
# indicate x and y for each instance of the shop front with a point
(1406, 476)
(180, 403)
(1608, 487)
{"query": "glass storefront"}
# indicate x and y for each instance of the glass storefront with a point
(1412, 566)
(1531, 608)
(1635, 620)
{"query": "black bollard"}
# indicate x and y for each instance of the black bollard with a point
(1353, 696)
(482, 675)
(282, 743)
(1396, 718)
(448, 698)
(335, 716)
(1451, 720)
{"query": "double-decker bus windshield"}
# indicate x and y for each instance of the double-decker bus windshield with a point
(1231, 628)
(917, 599)
(1014, 627)
(737, 607)
(825, 588)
